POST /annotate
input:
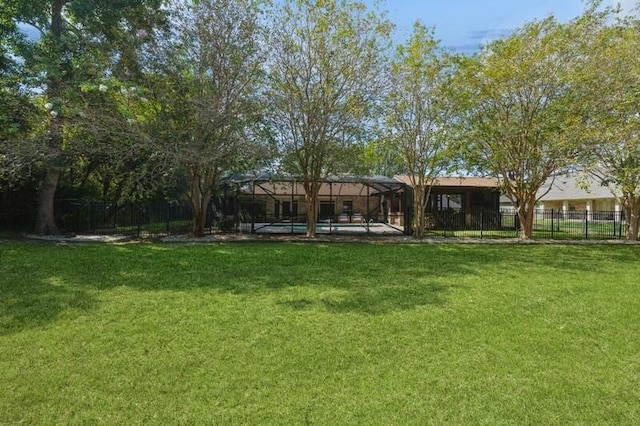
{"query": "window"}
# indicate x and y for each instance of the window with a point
(448, 201)
(289, 210)
(327, 210)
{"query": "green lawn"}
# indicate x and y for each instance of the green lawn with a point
(319, 333)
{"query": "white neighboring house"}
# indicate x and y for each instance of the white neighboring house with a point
(576, 196)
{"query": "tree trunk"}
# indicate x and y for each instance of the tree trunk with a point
(311, 189)
(419, 211)
(45, 222)
(525, 214)
(631, 206)
(199, 205)
(200, 195)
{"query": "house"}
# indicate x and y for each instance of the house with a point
(464, 202)
(347, 203)
(575, 196)
(461, 193)
(277, 203)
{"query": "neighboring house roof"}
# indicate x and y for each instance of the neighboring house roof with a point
(571, 188)
(461, 181)
(505, 201)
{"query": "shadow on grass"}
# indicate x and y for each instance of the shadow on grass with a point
(389, 299)
(40, 282)
(39, 303)
(377, 300)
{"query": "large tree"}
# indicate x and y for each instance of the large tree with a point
(207, 76)
(111, 157)
(325, 83)
(609, 100)
(517, 119)
(419, 115)
(18, 122)
(18, 115)
(78, 41)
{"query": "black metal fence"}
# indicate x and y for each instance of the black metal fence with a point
(132, 219)
(156, 220)
(547, 224)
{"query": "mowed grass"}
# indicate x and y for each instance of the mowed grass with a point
(319, 333)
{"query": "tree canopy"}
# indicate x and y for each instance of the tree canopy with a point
(79, 43)
(324, 86)
(420, 113)
(516, 97)
(609, 98)
(206, 77)
(119, 99)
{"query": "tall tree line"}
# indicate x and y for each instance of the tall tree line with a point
(130, 98)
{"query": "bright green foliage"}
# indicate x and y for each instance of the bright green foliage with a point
(79, 42)
(381, 157)
(113, 157)
(419, 114)
(325, 73)
(16, 111)
(609, 100)
(18, 120)
(206, 77)
(327, 334)
(517, 94)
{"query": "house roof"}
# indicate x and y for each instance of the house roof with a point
(458, 181)
(570, 187)
(336, 189)
(268, 177)
(352, 185)
(337, 184)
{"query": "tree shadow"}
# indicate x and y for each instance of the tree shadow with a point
(383, 300)
(37, 286)
(378, 300)
(40, 302)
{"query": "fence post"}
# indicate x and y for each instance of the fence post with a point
(621, 223)
(481, 222)
(133, 219)
(167, 213)
(448, 222)
(330, 203)
(586, 224)
(253, 207)
(93, 217)
(552, 224)
(211, 224)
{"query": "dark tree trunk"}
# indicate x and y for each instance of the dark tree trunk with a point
(311, 198)
(45, 221)
(200, 207)
(200, 195)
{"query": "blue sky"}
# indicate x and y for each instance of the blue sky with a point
(464, 25)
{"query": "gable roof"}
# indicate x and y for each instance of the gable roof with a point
(569, 187)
